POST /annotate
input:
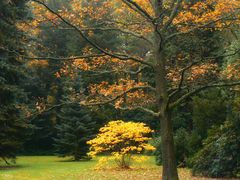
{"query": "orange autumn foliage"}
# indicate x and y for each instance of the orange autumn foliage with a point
(232, 71)
(117, 14)
(104, 91)
(197, 74)
(217, 14)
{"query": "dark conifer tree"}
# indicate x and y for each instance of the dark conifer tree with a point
(76, 127)
(75, 124)
(12, 95)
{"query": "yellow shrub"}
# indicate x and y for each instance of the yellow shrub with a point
(121, 139)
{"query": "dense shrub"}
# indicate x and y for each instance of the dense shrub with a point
(220, 155)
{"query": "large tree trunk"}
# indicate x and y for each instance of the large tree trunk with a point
(168, 154)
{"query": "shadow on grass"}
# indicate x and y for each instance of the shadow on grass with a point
(12, 167)
(72, 160)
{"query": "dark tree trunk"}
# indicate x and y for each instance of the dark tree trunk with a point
(168, 153)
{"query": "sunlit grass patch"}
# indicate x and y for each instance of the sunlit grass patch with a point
(54, 168)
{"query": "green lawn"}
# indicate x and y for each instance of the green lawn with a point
(54, 168)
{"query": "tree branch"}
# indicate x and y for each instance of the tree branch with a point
(195, 91)
(98, 73)
(84, 103)
(179, 88)
(128, 32)
(224, 55)
(118, 96)
(52, 58)
(173, 14)
(136, 35)
(184, 70)
(133, 5)
(38, 113)
(153, 113)
(123, 57)
(196, 27)
(65, 58)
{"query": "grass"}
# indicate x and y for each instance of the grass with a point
(54, 168)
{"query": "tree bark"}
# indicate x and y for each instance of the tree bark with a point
(168, 153)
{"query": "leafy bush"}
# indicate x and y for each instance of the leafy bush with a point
(121, 139)
(220, 156)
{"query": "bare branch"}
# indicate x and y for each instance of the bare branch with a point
(195, 91)
(153, 113)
